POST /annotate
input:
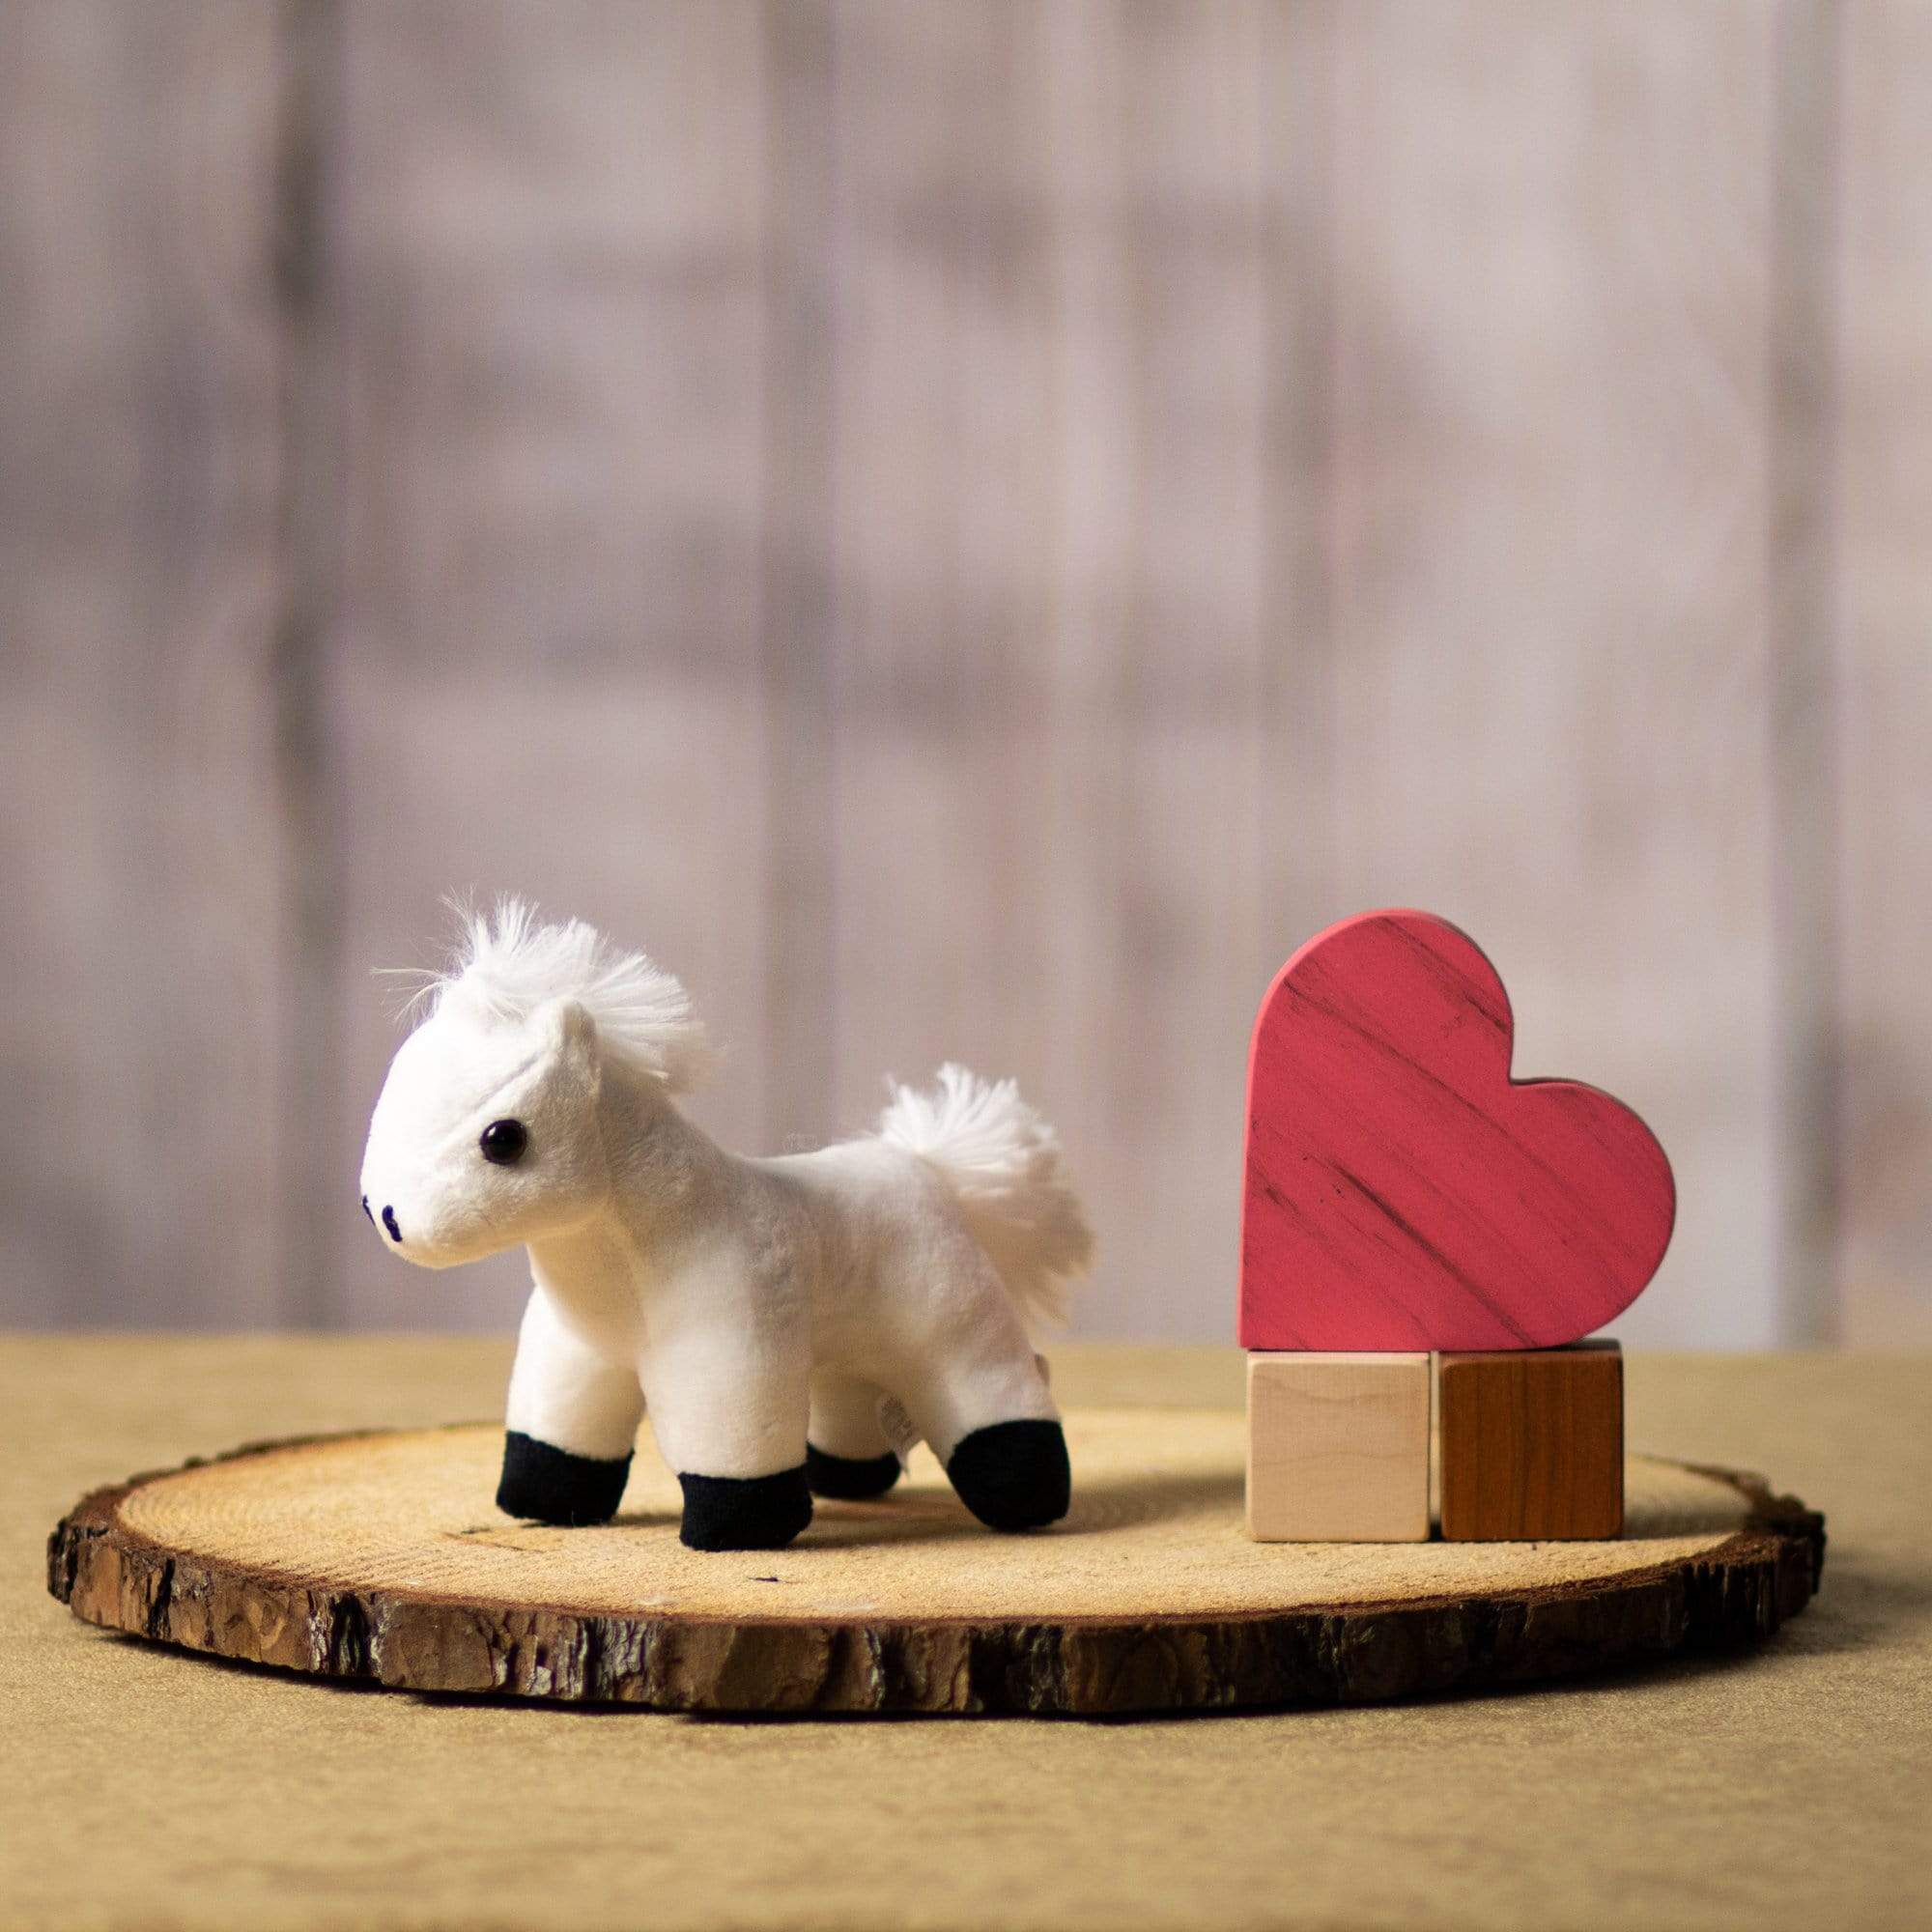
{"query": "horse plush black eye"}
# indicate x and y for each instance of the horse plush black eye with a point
(504, 1142)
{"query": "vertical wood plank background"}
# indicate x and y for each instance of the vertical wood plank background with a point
(1881, 669)
(969, 531)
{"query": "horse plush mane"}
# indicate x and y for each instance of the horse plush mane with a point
(514, 964)
(791, 1325)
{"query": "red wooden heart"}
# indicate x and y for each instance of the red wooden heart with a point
(1403, 1192)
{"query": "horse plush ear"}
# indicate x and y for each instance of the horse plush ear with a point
(568, 1024)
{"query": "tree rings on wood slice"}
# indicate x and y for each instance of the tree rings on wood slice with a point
(381, 1557)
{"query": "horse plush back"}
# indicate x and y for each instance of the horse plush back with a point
(792, 1326)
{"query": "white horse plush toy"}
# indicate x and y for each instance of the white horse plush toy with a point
(783, 1321)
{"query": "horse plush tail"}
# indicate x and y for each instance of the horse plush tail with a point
(1002, 1162)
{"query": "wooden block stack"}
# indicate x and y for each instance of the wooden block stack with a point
(1413, 1214)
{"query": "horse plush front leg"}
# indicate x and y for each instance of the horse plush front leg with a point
(572, 1421)
(730, 1420)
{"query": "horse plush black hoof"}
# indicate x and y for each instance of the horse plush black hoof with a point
(850, 1478)
(1013, 1475)
(547, 1485)
(745, 1511)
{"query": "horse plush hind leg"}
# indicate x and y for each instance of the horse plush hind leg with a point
(994, 1427)
(572, 1421)
(848, 1452)
(978, 1395)
(985, 1225)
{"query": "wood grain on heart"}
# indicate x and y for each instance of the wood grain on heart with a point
(1403, 1192)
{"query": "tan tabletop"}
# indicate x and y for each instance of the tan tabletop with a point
(144, 1787)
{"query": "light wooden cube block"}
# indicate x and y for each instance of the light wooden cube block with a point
(1338, 1448)
(1532, 1444)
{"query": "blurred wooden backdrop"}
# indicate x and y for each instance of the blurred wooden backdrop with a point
(969, 530)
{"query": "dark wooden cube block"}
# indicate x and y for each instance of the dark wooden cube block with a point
(1532, 1443)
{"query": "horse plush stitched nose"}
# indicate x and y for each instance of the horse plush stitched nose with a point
(394, 1233)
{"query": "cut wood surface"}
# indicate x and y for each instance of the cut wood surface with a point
(378, 1557)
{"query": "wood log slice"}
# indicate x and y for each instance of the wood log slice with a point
(381, 1557)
